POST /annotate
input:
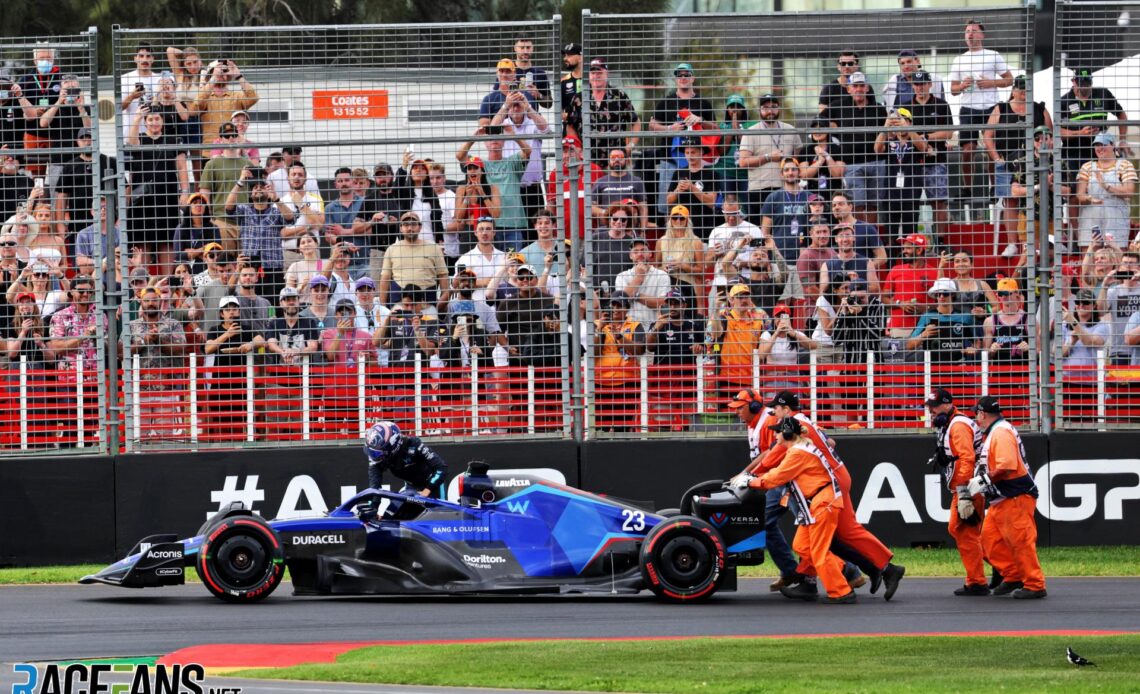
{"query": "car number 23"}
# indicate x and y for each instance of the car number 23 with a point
(632, 521)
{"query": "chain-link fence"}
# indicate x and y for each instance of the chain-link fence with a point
(1096, 307)
(51, 261)
(834, 210)
(327, 226)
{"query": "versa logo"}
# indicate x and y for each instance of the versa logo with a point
(518, 506)
(1086, 493)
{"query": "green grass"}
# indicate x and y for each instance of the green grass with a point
(727, 666)
(1056, 561)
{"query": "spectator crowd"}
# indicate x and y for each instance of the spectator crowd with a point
(709, 235)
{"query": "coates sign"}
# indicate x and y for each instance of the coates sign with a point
(339, 104)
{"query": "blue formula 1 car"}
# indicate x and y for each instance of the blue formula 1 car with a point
(520, 535)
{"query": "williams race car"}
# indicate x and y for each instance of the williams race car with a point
(516, 535)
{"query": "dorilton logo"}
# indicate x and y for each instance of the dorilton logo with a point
(330, 539)
(165, 554)
(483, 560)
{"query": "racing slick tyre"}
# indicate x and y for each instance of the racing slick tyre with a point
(669, 512)
(683, 559)
(241, 560)
(702, 489)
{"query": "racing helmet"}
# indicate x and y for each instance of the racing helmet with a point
(382, 440)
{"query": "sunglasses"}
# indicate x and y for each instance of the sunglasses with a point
(1084, 303)
(1007, 293)
(83, 291)
(40, 275)
(684, 74)
(678, 218)
(848, 63)
(732, 213)
(623, 220)
(7, 243)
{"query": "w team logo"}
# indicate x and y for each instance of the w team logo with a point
(718, 519)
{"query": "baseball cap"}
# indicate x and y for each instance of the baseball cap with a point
(739, 289)
(382, 168)
(227, 128)
(25, 295)
(505, 64)
(857, 78)
(345, 304)
(1019, 82)
(319, 281)
(681, 210)
(780, 308)
(228, 301)
(907, 53)
(905, 113)
(474, 161)
(1104, 138)
(988, 404)
(1085, 296)
(617, 300)
(815, 197)
(571, 49)
(287, 292)
(916, 239)
(939, 396)
(83, 134)
(85, 280)
(364, 282)
(1083, 75)
(922, 77)
(235, 114)
(769, 98)
(638, 241)
(147, 290)
(1007, 285)
(526, 268)
(786, 398)
(682, 67)
(674, 295)
(211, 246)
(735, 100)
(202, 198)
(516, 257)
(741, 399)
(599, 64)
(690, 142)
(139, 273)
(943, 285)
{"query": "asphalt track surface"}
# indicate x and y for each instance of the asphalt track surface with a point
(42, 623)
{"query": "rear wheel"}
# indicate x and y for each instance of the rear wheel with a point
(241, 560)
(682, 559)
(703, 489)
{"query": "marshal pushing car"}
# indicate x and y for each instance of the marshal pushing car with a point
(515, 536)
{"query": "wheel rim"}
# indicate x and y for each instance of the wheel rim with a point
(241, 561)
(685, 562)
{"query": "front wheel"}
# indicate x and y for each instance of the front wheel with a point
(241, 560)
(682, 559)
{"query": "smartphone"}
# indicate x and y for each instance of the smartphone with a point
(39, 183)
(529, 80)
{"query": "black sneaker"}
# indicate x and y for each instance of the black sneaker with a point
(1026, 594)
(801, 591)
(995, 579)
(876, 581)
(785, 580)
(891, 577)
(973, 589)
(848, 599)
(1008, 587)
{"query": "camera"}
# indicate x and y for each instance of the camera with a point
(756, 243)
(494, 130)
(140, 87)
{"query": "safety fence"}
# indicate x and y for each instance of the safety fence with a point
(314, 227)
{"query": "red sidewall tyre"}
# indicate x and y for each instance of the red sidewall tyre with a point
(683, 559)
(241, 560)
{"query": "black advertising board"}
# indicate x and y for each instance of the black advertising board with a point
(57, 510)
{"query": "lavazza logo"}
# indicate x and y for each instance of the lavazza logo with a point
(512, 482)
(483, 561)
(330, 539)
